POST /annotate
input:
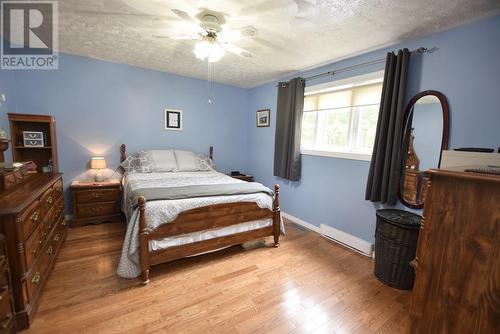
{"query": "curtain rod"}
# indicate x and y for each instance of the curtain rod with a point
(420, 50)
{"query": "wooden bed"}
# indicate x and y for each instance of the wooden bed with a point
(202, 219)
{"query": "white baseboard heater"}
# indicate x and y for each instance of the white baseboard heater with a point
(346, 239)
(343, 238)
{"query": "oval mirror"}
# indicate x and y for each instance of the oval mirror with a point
(425, 136)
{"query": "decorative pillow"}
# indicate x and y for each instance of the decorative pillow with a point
(204, 163)
(186, 161)
(163, 161)
(138, 162)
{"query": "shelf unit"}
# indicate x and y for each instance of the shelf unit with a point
(39, 155)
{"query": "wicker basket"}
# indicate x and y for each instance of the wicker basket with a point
(396, 239)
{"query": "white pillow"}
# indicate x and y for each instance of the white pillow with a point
(186, 161)
(163, 161)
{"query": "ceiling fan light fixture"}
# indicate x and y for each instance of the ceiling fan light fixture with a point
(208, 49)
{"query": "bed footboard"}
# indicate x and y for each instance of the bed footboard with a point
(205, 218)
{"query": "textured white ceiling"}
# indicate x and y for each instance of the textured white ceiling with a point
(291, 34)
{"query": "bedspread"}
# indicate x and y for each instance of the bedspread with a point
(164, 211)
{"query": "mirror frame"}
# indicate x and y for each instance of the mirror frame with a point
(444, 139)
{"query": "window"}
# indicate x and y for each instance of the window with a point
(340, 118)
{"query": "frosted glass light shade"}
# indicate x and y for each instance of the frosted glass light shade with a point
(98, 163)
(210, 50)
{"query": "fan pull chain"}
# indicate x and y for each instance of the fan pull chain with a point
(209, 82)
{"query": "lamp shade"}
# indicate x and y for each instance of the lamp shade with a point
(98, 163)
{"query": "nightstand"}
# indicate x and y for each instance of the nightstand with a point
(248, 178)
(95, 202)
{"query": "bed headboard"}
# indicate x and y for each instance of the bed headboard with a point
(123, 154)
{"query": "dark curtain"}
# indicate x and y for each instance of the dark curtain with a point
(290, 107)
(385, 167)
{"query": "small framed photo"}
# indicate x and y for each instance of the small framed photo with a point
(173, 119)
(263, 118)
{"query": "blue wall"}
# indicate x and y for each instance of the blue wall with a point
(7, 87)
(99, 105)
(465, 67)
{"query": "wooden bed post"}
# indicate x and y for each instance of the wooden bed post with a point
(123, 156)
(276, 216)
(143, 241)
(211, 153)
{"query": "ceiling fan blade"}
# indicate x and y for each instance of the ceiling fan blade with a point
(187, 18)
(235, 50)
(237, 33)
(183, 15)
(184, 37)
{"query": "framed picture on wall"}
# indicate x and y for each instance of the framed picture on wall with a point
(173, 119)
(263, 118)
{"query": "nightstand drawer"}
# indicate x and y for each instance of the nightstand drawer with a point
(98, 195)
(95, 210)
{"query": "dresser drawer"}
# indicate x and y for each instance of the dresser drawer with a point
(47, 200)
(32, 247)
(59, 208)
(94, 210)
(58, 189)
(39, 272)
(48, 223)
(37, 275)
(30, 218)
(97, 195)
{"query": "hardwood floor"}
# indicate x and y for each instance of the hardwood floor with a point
(307, 285)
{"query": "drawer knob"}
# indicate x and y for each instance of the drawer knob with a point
(50, 250)
(36, 278)
(95, 195)
(34, 216)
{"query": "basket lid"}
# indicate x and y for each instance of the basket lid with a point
(400, 217)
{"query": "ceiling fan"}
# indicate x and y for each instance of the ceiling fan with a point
(212, 39)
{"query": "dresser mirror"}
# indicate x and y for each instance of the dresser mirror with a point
(426, 122)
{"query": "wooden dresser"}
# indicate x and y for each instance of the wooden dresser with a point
(457, 285)
(7, 323)
(32, 220)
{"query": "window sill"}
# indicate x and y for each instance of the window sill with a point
(341, 155)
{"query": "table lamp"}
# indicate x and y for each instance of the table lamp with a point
(98, 163)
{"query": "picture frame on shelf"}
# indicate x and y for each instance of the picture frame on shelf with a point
(173, 119)
(263, 118)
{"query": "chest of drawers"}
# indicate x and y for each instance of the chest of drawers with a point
(32, 220)
(95, 202)
(457, 284)
(7, 324)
